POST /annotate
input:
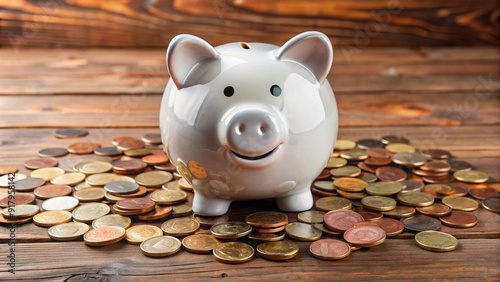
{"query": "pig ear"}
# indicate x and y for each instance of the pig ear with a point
(191, 60)
(312, 50)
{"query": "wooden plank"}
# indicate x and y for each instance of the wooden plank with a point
(353, 24)
(354, 110)
(473, 260)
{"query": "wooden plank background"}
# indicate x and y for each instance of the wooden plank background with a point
(351, 24)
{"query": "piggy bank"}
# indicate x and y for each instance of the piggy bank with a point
(249, 121)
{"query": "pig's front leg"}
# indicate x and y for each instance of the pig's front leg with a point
(297, 202)
(209, 206)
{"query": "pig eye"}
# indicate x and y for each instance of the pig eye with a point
(275, 90)
(229, 91)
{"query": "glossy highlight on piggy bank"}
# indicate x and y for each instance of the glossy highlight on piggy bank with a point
(249, 121)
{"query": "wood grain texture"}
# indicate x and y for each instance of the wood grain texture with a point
(351, 24)
(125, 261)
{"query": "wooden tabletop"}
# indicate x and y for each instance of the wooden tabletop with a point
(445, 98)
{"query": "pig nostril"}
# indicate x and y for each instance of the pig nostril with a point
(262, 129)
(240, 128)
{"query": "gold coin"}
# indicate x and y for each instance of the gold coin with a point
(182, 209)
(230, 230)
(409, 159)
(470, 176)
(103, 236)
(200, 243)
(354, 155)
(153, 178)
(17, 211)
(460, 203)
(137, 152)
(101, 179)
(161, 246)
(63, 203)
(6, 179)
(233, 252)
(303, 231)
(267, 237)
(168, 197)
(197, 170)
(183, 170)
(90, 211)
(352, 195)
(400, 212)
(172, 185)
(336, 162)
(6, 169)
(82, 185)
(68, 231)
(346, 171)
(399, 148)
(112, 220)
(209, 221)
(436, 241)
(139, 233)
(350, 184)
(332, 203)
(378, 203)
(342, 144)
(47, 173)
(367, 177)
(180, 226)
(68, 179)
(92, 194)
(386, 188)
(323, 229)
(186, 185)
(50, 218)
(324, 185)
(416, 199)
(112, 198)
(280, 250)
(94, 167)
(311, 217)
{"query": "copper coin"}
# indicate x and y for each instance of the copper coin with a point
(409, 159)
(117, 140)
(434, 210)
(28, 184)
(105, 235)
(53, 152)
(445, 190)
(367, 168)
(492, 204)
(478, 193)
(412, 185)
(389, 173)
(119, 211)
(139, 193)
(368, 215)
(171, 168)
(352, 195)
(70, 133)
(377, 152)
(330, 249)
(19, 199)
(436, 166)
(18, 220)
(350, 184)
(197, 170)
(438, 179)
(158, 213)
(325, 174)
(367, 177)
(392, 227)
(364, 236)
(267, 219)
(107, 151)
(341, 220)
(458, 189)
(51, 191)
(130, 145)
(135, 204)
(268, 230)
(129, 166)
(323, 193)
(83, 148)
(374, 161)
(432, 189)
(419, 223)
(420, 172)
(459, 219)
(400, 212)
(6, 169)
(155, 159)
(152, 138)
(459, 165)
(40, 163)
(436, 154)
(369, 143)
(394, 139)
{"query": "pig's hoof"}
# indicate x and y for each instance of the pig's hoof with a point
(297, 202)
(209, 206)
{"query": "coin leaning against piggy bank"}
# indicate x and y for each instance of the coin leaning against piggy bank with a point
(239, 117)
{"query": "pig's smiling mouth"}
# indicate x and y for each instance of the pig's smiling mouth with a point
(254, 161)
(253, 158)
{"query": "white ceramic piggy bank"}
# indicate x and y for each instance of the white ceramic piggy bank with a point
(248, 121)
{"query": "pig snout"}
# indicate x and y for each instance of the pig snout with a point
(251, 133)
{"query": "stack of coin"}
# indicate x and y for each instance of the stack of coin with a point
(133, 206)
(270, 223)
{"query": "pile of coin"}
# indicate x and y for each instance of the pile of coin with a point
(369, 190)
